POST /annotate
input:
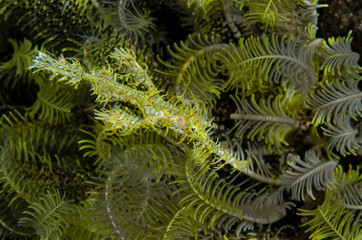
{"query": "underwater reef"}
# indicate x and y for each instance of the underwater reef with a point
(180, 119)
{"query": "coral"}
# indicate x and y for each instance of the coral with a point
(233, 121)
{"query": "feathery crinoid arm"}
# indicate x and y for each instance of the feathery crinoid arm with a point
(336, 99)
(344, 136)
(54, 103)
(348, 187)
(337, 108)
(338, 57)
(156, 113)
(15, 69)
(48, 216)
(260, 61)
(332, 220)
(268, 12)
(312, 172)
(132, 22)
(194, 72)
(228, 205)
(127, 196)
(269, 120)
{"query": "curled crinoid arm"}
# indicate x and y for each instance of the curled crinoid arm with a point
(193, 72)
(130, 21)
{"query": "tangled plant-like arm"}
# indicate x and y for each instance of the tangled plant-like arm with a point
(156, 112)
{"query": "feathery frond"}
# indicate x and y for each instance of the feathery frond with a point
(338, 57)
(348, 187)
(132, 22)
(296, 16)
(268, 207)
(218, 204)
(51, 24)
(336, 100)
(20, 60)
(269, 120)
(41, 157)
(308, 173)
(207, 198)
(267, 12)
(48, 216)
(182, 226)
(127, 193)
(343, 136)
(25, 136)
(17, 178)
(259, 61)
(11, 209)
(208, 7)
(54, 102)
(81, 224)
(194, 72)
(97, 142)
(332, 220)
